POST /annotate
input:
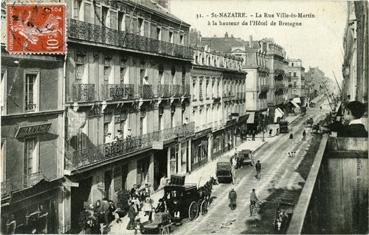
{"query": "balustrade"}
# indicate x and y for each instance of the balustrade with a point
(117, 91)
(84, 31)
(84, 92)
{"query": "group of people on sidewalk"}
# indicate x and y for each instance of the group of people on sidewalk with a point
(95, 218)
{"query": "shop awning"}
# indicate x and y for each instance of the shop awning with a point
(297, 100)
(251, 118)
(278, 114)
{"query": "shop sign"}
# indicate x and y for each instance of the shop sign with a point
(27, 131)
(157, 145)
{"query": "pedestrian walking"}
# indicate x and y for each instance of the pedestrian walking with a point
(291, 136)
(253, 200)
(147, 208)
(258, 169)
(303, 135)
(132, 213)
(253, 135)
(232, 196)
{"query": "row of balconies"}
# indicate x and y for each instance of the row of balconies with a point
(88, 92)
(88, 32)
(120, 148)
(17, 183)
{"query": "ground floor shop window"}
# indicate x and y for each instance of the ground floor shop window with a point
(38, 218)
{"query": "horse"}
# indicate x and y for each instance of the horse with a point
(206, 189)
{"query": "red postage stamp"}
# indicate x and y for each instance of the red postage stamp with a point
(36, 28)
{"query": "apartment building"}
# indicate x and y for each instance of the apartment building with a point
(218, 103)
(32, 141)
(254, 64)
(296, 79)
(127, 99)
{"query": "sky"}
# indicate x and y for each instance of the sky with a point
(318, 42)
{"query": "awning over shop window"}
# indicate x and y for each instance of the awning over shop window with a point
(278, 114)
(251, 118)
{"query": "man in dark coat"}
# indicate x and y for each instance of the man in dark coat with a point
(258, 169)
(131, 215)
(253, 200)
(232, 199)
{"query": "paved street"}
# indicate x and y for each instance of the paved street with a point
(278, 172)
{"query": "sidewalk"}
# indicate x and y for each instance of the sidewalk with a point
(198, 176)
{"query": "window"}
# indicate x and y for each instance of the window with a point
(121, 21)
(119, 126)
(123, 72)
(158, 34)
(3, 159)
(294, 84)
(171, 37)
(31, 92)
(143, 78)
(161, 119)
(108, 128)
(140, 29)
(3, 92)
(173, 72)
(81, 70)
(105, 16)
(76, 9)
(292, 64)
(108, 70)
(173, 110)
(31, 157)
(194, 89)
(161, 74)
(294, 74)
(181, 41)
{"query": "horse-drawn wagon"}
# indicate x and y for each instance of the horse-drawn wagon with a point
(186, 200)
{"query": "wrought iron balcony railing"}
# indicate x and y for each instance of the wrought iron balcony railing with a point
(118, 91)
(164, 90)
(84, 92)
(145, 92)
(95, 155)
(84, 31)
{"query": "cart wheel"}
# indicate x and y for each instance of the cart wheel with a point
(193, 210)
(204, 207)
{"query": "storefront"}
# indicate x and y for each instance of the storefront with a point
(34, 210)
(218, 144)
(199, 152)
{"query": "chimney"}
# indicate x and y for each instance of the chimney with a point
(250, 41)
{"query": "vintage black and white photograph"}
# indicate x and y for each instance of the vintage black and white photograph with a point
(184, 117)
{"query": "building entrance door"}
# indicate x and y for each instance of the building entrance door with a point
(79, 195)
